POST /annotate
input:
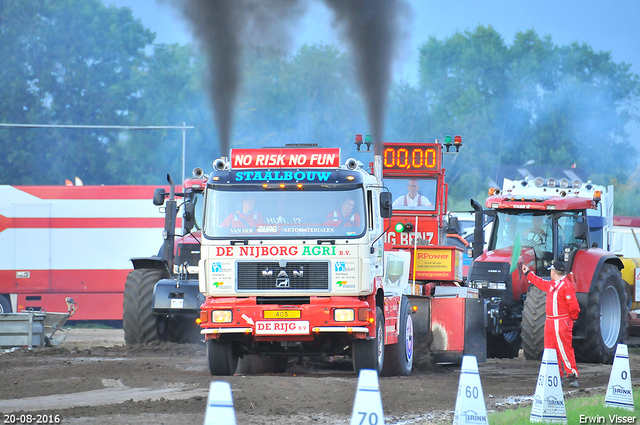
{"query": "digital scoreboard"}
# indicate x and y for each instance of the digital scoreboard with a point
(411, 158)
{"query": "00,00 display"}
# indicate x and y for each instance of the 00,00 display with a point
(410, 158)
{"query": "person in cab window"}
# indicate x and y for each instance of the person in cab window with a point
(245, 218)
(344, 216)
(413, 199)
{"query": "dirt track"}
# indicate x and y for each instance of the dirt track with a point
(95, 379)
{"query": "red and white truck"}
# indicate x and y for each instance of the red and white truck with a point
(294, 261)
(73, 241)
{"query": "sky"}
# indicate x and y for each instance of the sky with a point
(605, 25)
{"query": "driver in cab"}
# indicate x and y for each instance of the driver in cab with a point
(413, 199)
(245, 218)
(344, 215)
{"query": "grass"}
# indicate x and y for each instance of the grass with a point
(592, 406)
(587, 406)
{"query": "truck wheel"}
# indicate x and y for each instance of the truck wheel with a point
(398, 359)
(533, 318)
(5, 305)
(606, 318)
(138, 321)
(504, 346)
(369, 354)
(221, 358)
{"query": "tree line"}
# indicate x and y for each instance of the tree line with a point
(80, 62)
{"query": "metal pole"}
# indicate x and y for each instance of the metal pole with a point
(184, 129)
(102, 127)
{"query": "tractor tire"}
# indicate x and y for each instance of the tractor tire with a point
(369, 353)
(5, 305)
(221, 358)
(504, 346)
(606, 318)
(533, 318)
(138, 321)
(398, 359)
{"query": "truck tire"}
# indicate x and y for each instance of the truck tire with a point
(606, 318)
(5, 305)
(221, 358)
(504, 346)
(369, 353)
(533, 318)
(138, 321)
(398, 359)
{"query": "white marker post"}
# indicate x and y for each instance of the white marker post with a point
(220, 410)
(367, 408)
(619, 390)
(548, 401)
(470, 406)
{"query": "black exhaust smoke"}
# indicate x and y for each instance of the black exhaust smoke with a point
(373, 28)
(222, 28)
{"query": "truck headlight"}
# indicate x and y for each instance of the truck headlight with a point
(221, 316)
(497, 285)
(344, 315)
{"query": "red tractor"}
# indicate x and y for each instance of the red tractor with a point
(161, 295)
(551, 220)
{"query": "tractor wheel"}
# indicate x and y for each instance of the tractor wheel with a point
(221, 358)
(398, 359)
(5, 305)
(533, 318)
(138, 321)
(606, 318)
(504, 346)
(369, 353)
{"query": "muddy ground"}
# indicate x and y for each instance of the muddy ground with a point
(95, 379)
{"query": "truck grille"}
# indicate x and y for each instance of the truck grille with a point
(294, 276)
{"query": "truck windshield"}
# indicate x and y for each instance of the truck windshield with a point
(286, 214)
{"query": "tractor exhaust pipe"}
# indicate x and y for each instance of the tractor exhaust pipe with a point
(478, 231)
(170, 225)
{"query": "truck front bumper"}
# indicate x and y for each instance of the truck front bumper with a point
(287, 322)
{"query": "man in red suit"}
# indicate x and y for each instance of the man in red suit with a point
(562, 309)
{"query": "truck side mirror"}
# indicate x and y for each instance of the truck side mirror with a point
(386, 209)
(454, 226)
(158, 196)
(580, 231)
(189, 216)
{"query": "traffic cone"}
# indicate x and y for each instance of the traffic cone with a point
(367, 408)
(548, 401)
(470, 406)
(220, 410)
(620, 390)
